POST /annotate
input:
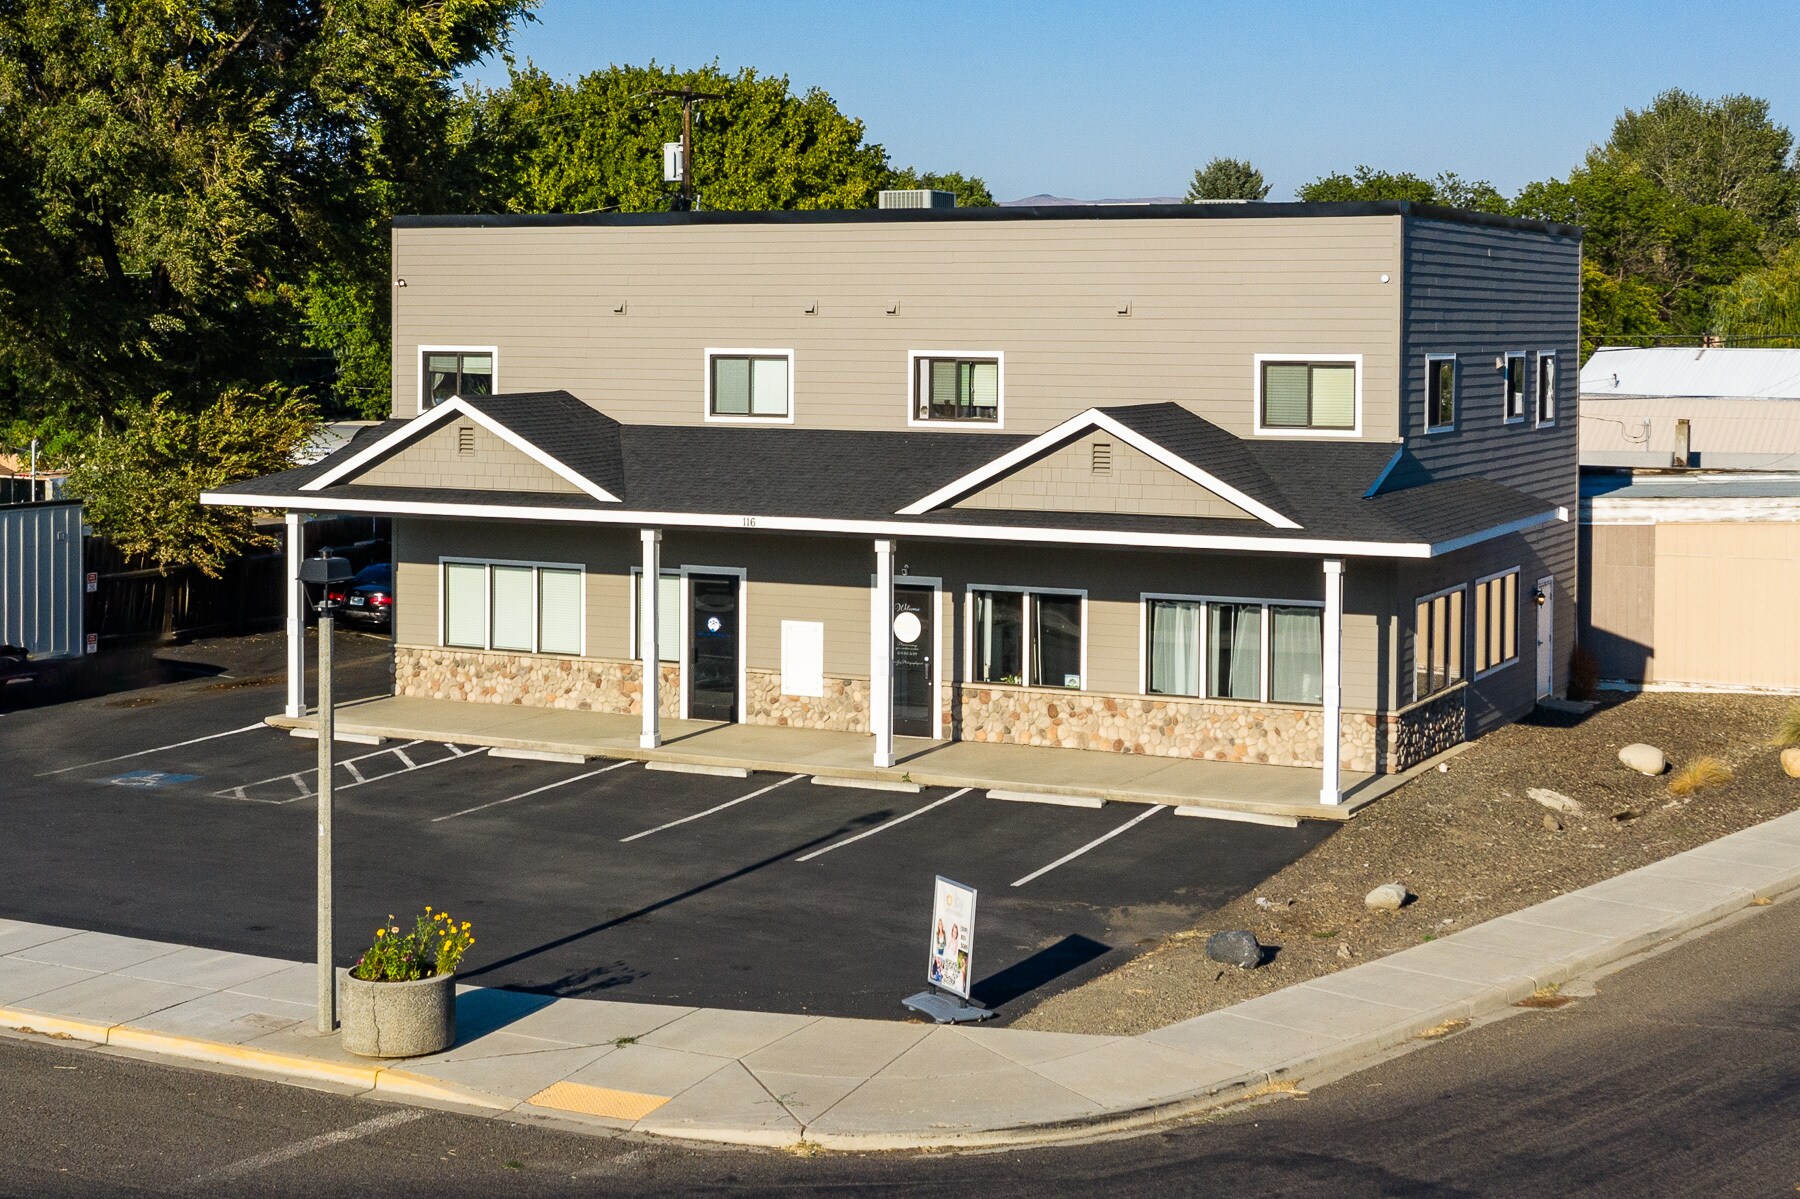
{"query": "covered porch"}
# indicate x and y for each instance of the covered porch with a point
(1261, 793)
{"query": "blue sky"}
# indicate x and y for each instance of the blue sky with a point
(1124, 99)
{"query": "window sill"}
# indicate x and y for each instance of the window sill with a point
(1493, 670)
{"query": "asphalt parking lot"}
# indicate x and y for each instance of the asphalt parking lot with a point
(171, 812)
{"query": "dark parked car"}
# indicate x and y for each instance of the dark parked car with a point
(369, 597)
(15, 665)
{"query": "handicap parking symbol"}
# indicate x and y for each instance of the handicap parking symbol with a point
(149, 778)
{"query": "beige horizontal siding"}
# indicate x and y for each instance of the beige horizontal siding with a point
(1725, 605)
(828, 580)
(1205, 296)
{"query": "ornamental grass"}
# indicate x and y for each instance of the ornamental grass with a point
(1698, 775)
(434, 946)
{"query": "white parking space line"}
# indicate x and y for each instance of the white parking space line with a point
(274, 1157)
(482, 807)
(1100, 840)
(730, 803)
(301, 781)
(157, 750)
(870, 832)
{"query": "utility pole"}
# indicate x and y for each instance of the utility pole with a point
(325, 572)
(688, 97)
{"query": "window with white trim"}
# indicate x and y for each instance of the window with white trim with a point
(1309, 395)
(1516, 384)
(749, 385)
(1218, 649)
(1546, 388)
(452, 374)
(668, 615)
(1018, 636)
(518, 606)
(1496, 619)
(957, 389)
(1438, 642)
(1440, 392)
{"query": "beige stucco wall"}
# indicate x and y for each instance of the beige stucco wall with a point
(1725, 596)
(1204, 297)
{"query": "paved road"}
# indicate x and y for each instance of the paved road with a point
(582, 880)
(1680, 1079)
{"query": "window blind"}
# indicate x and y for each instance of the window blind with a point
(559, 611)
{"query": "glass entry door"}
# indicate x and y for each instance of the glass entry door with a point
(713, 651)
(913, 641)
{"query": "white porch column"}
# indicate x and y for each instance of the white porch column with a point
(650, 638)
(1330, 786)
(296, 618)
(881, 655)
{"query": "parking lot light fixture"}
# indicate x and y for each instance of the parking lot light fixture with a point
(325, 577)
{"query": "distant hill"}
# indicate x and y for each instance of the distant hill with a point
(1043, 200)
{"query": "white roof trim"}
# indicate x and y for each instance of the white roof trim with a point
(424, 423)
(1093, 418)
(876, 528)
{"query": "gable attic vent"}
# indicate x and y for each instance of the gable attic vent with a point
(465, 439)
(1101, 460)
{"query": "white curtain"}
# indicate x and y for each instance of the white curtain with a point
(1296, 655)
(1175, 647)
(1236, 636)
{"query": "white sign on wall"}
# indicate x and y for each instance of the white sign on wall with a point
(803, 658)
(952, 953)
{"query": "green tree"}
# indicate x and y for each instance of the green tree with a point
(1762, 307)
(141, 483)
(1367, 183)
(596, 144)
(1724, 152)
(1227, 179)
(1617, 311)
(172, 174)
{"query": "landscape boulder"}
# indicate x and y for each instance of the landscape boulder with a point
(1790, 761)
(1388, 897)
(1236, 947)
(1645, 759)
(1556, 801)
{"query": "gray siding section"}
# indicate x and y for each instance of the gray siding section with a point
(41, 578)
(436, 460)
(1065, 480)
(1479, 292)
(1204, 296)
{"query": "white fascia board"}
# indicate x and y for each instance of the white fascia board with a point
(424, 423)
(1440, 548)
(796, 524)
(1093, 418)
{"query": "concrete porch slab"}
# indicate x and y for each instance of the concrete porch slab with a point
(1020, 770)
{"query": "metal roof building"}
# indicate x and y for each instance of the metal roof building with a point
(1741, 408)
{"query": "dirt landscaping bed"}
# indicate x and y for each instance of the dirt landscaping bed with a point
(1471, 844)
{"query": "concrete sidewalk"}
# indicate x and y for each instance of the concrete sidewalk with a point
(766, 1078)
(1249, 787)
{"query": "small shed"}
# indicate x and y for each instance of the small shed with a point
(42, 580)
(1690, 518)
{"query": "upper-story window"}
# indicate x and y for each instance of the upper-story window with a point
(750, 385)
(450, 373)
(1298, 395)
(1440, 392)
(1546, 381)
(1516, 381)
(955, 388)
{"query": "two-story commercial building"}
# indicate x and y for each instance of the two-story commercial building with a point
(1271, 483)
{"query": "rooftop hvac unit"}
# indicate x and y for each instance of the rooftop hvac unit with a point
(917, 197)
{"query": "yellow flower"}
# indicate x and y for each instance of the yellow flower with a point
(381, 932)
(465, 926)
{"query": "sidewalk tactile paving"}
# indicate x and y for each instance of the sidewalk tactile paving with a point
(597, 1101)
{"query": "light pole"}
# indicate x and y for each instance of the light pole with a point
(325, 573)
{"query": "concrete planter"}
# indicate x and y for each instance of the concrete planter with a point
(403, 1019)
